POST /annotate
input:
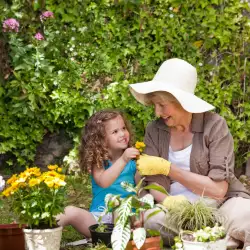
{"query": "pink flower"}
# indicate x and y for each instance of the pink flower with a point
(39, 36)
(10, 24)
(46, 15)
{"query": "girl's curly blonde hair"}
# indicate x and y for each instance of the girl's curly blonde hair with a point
(93, 150)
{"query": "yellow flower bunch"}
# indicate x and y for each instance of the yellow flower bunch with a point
(32, 177)
(140, 146)
(36, 196)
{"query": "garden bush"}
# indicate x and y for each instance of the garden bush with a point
(87, 52)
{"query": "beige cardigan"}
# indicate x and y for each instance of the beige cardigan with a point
(212, 151)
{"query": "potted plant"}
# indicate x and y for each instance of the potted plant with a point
(126, 210)
(35, 199)
(198, 225)
(101, 232)
(11, 234)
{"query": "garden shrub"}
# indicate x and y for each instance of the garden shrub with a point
(89, 51)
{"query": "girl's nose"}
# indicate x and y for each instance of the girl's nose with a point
(121, 133)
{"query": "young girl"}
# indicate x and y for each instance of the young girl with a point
(107, 154)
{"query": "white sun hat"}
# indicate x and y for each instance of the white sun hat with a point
(178, 78)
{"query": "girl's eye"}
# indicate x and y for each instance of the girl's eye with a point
(124, 128)
(114, 132)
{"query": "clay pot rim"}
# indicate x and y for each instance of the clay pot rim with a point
(48, 230)
(12, 226)
(151, 238)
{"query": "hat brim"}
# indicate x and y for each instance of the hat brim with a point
(188, 101)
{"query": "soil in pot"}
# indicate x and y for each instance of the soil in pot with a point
(152, 243)
(11, 237)
(104, 237)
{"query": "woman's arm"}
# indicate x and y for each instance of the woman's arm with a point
(105, 178)
(199, 184)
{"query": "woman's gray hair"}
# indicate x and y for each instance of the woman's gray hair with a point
(162, 95)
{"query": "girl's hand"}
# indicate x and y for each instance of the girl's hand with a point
(130, 153)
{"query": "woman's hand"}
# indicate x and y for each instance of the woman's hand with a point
(130, 153)
(152, 165)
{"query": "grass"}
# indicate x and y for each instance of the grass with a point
(192, 217)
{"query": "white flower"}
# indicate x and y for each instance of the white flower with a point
(59, 72)
(211, 73)
(71, 49)
(92, 54)
(72, 59)
(73, 38)
(75, 53)
(82, 29)
(2, 183)
(178, 244)
(73, 45)
(57, 32)
(200, 64)
(73, 28)
(171, 15)
(171, 8)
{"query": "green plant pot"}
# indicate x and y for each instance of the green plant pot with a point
(104, 237)
(11, 237)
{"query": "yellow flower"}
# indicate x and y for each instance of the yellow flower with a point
(52, 167)
(59, 182)
(34, 182)
(198, 44)
(59, 170)
(49, 182)
(176, 10)
(140, 145)
(12, 179)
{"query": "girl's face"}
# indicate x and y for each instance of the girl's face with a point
(171, 113)
(117, 135)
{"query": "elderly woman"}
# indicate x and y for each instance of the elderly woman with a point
(197, 147)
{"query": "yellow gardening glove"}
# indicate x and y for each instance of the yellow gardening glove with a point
(152, 165)
(171, 202)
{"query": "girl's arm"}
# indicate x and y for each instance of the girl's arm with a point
(105, 178)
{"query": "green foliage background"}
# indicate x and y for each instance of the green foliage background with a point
(61, 81)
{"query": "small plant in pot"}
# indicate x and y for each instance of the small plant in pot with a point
(101, 232)
(198, 225)
(35, 199)
(126, 210)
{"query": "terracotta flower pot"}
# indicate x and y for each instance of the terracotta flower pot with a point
(11, 237)
(152, 243)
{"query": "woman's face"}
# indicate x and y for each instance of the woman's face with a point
(171, 113)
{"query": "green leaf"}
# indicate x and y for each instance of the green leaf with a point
(120, 236)
(45, 215)
(156, 187)
(128, 186)
(139, 236)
